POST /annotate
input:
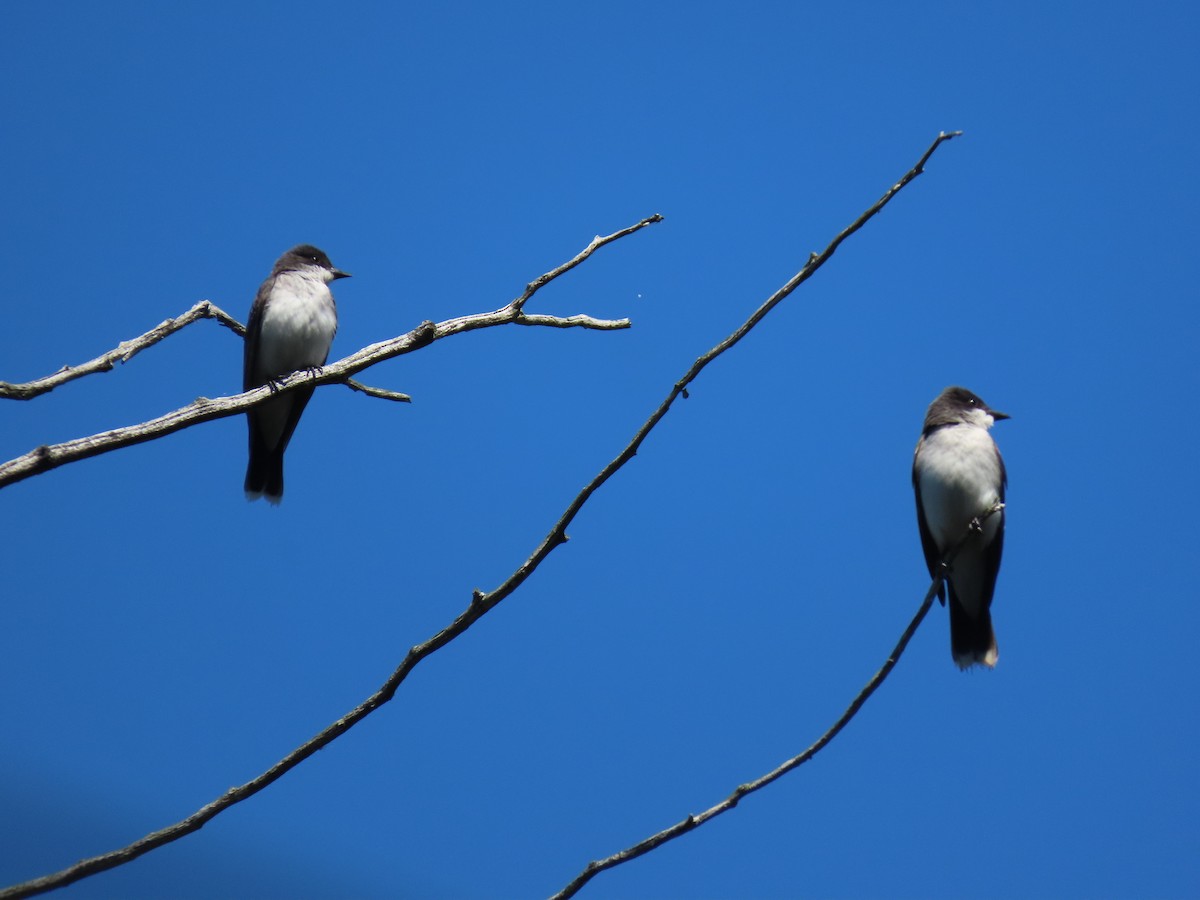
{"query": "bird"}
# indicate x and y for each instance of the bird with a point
(958, 475)
(292, 324)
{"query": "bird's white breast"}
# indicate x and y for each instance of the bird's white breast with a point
(959, 475)
(298, 325)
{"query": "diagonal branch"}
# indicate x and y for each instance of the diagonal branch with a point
(815, 261)
(44, 458)
(122, 353)
(597, 242)
(594, 868)
(481, 602)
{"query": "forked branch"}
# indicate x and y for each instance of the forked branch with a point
(44, 458)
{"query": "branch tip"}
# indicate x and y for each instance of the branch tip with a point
(379, 393)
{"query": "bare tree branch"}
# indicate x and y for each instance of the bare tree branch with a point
(815, 261)
(42, 459)
(122, 353)
(205, 309)
(379, 393)
(597, 242)
(481, 602)
(126, 350)
(594, 868)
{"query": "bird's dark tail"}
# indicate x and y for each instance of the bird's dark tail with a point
(971, 637)
(264, 475)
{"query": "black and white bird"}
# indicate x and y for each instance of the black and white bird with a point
(292, 323)
(958, 475)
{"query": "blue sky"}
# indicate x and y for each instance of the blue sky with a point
(729, 591)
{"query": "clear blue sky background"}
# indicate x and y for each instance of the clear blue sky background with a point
(724, 597)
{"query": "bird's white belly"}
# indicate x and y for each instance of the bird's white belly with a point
(297, 327)
(959, 476)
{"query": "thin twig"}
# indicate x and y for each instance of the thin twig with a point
(815, 261)
(594, 868)
(44, 458)
(380, 393)
(481, 602)
(122, 353)
(597, 242)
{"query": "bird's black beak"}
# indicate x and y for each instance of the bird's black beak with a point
(998, 415)
(338, 273)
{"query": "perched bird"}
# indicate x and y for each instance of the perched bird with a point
(292, 323)
(958, 475)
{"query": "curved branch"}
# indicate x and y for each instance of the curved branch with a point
(122, 353)
(44, 458)
(594, 868)
(481, 602)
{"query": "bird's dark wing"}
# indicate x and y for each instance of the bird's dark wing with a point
(995, 549)
(933, 556)
(253, 330)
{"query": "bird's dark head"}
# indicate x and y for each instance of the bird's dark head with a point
(305, 255)
(957, 405)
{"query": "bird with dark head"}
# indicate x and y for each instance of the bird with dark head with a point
(958, 476)
(292, 324)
